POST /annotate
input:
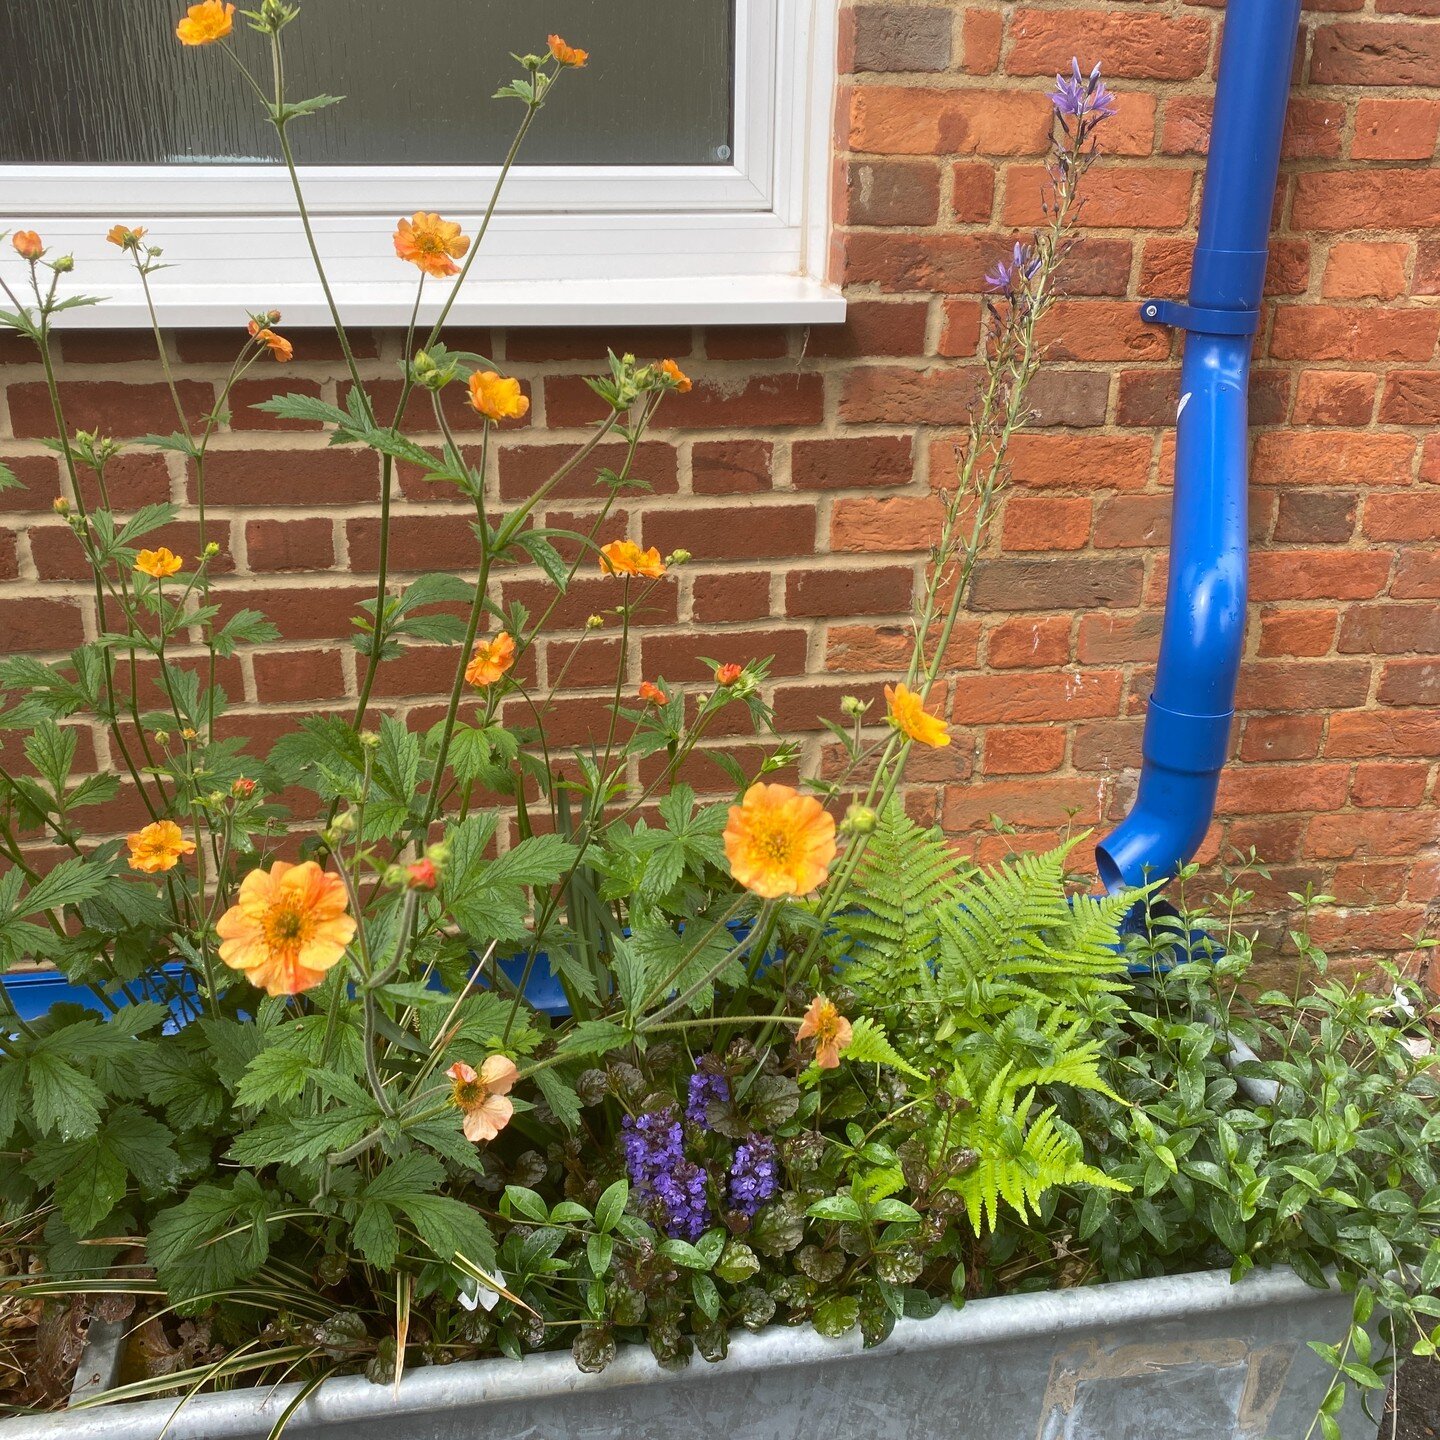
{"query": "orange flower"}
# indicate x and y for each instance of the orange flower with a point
(483, 1097)
(278, 345)
(422, 875)
(287, 927)
(28, 245)
(431, 243)
(831, 1030)
(910, 717)
(491, 660)
(779, 842)
(158, 847)
(679, 378)
(157, 563)
(497, 397)
(651, 694)
(567, 54)
(625, 557)
(206, 23)
(125, 237)
(728, 674)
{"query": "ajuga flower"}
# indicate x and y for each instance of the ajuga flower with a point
(278, 345)
(651, 694)
(779, 842)
(727, 675)
(625, 557)
(125, 237)
(910, 717)
(661, 1176)
(158, 563)
(483, 1099)
(158, 847)
(288, 926)
(567, 54)
(28, 245)
(206, 23)
(830, 1030)
(431, 243)
(492, 658)
(701, 1090)
(677, 376)
(754, 1174)
(497, 397)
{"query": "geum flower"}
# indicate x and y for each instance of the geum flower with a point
(483, 1099)
(910, 717)
(625, 557)
(497, 397)
(779, 842)
(567, 54)
(830, 1030)
(431, 243)
(206, 23)
(728, 673)
(278, 345)
(28, 245)
(288, 926)
(676, 376)
(651, 694)
(158, 564)
(492, 658)
(158, 847)
(126, 237)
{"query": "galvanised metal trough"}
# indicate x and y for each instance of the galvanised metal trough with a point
(1188, 1357)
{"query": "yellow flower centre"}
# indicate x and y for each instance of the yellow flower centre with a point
(772, 843)
(286, 927)
(469, 1093)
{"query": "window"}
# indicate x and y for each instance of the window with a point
(681, 177)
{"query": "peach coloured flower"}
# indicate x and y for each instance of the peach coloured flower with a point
(677, 376)
(651, 694)
(567, 54)
(158, 847)
(28, 245)
(125, 237)
(625, 557)
(483, 1098)
(288, 926)
(431, 243)
(910, 717)
(491, 660)
(497, 397)
(728, 674)
(831, 1031)
(243, 789)
(158, 563)
(278, 345)
(205, 23)
(779, 842)
(422, 875)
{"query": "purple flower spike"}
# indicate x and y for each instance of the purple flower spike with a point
(1084, 98)
(753, 1174)
(1009, 275)
(661, 1175)
(703, 1089)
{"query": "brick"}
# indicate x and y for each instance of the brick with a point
(960, 329)
(417, 543)
(871, 327)
(300, 613)
(272, 478)
(39, 488)
(544, 343)
(1023, 750)
(1365, 199)
(1365, 270)
(885, 524)
(1335, 397)
(1131, 130)
(678, 657)
(854, 463)
(1058, 802)
(1401, 517)
(972, 191)
(1128, 196)
(891, 192)
(1358, 835)
(894, 120)
(876, 590)
(1334, 457)
(289, 545)
(899, 395)
(1372, 732)
(981, 35)
(524, 468)
(58, 556)
(292, 676)
(1417, 577)
(1389, 784)
(760, 401)
(1316, 332)
(735, 596)
(1297, 632)
(1410, 682)
(1109, 330)
(731, 467)
(733, 533)
(1049, 462)
(747, 342)
(586, 662)
(1354, 52)
(113, 407)
(1141, 46)
(1069, 397)
(1118, 639)
(1281, 737)
(1282, 789)
(957, 264)
(1395, 129)
(895, 38)
(9, 555)
(1029, 643)
(1131, 522)
(1315, 516)
(1048, 523)
(40, 625)
(1359, 882)
(1069, 583)
(1149, 397)
(1283, 685)
(1412, 397)
(1318, 574)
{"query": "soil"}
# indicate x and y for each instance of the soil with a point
(1417, 1417)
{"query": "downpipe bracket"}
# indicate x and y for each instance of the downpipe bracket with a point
(1179, 316)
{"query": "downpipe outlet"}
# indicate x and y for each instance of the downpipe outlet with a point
(1190, 711)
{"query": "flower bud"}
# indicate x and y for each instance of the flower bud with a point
(63, 264)
(369, 739)
(273, 316)
(678, 557)
(243, 789)
(61, 506)
(211, 550)
(188, 733)
(422, 875)
(162, 737)
(594, 622)
(860, 820)
(215, 799)
(344, 823)
(853, 706)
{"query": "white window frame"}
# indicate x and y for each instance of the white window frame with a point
(740, 243)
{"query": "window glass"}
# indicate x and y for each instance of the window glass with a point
(106, 82)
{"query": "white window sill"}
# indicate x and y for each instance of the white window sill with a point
(672, 300)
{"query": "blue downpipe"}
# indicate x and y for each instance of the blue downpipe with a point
(1187, 721)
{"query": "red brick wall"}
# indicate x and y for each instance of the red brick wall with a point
(802, 470)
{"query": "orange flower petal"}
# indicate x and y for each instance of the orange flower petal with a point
(779, 842)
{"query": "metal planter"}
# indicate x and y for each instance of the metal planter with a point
(1189, 1357)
